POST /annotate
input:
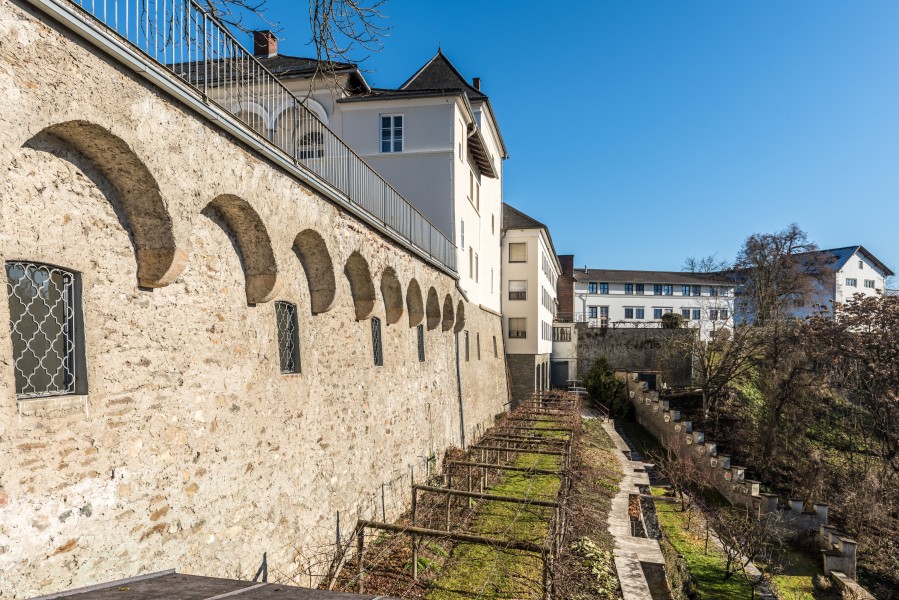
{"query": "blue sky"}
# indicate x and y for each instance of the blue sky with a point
(643, 132)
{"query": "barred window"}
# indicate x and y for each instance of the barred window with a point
(376, 341)
(42, 325)
(421, 343)
(288, 337)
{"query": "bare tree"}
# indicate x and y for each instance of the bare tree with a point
(749, 545)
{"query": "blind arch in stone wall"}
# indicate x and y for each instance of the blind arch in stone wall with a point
(362, 288)
(254, 247)
(392, 293)
(414, 303)
(315, 259)
(460, 317)
(433, 309)
(449, 317)
(144, 213)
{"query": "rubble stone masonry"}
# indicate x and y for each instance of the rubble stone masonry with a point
(190, 449)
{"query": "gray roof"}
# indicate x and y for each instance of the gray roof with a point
(515, 219)
(842, 256)
(440, 74)
(651, 277)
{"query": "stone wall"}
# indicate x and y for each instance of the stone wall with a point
(634, 349)
(526, 372)
(189, 448)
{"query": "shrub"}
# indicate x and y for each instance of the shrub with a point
(606, 389)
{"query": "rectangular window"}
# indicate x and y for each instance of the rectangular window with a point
(685, 290)
(518, 252)
(288, 339)
(495, 350)
(861, 264)
(603, 316)
(869, 283)
(493, 224)
(628, 312)
(477, 268)
(640, 289)
(465, 337)
(518, 290)
(591, 287)
(713, 291)
(851, 282)
(462, 245)
(591, 312)
(377, 350)
(657, 289)
(44, 312)
(421, 342)
(657, 313)
(685, 313)
(697, 290)
(477, 344)
(470, 262)
(518, 328)
(668, 290)
(697, 314)
(391, 133)
(629, 288)
(724, 314)
(603, 288)
(724, 292)
(491, 280)
(639, 313)
(713, 314)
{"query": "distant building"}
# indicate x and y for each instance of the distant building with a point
(853, 270)
(530, 272)
(612, 298)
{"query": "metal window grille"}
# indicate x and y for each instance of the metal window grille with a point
(421, 343)
(288, 337)
(376, 341)
(42, 328)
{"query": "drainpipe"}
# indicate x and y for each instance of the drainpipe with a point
(459, 389)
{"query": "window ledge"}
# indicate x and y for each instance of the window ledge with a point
(46, 406)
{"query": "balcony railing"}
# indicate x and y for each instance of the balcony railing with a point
(518, 295)
(189, 43)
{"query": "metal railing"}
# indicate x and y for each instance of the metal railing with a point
(196, 48)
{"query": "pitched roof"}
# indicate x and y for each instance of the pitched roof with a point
(651, 277)
(440, 74)
(843, 255)
(515, 219)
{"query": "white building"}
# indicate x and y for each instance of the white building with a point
(852, 270)
(435, 139)
(608, 298)
(529, 275)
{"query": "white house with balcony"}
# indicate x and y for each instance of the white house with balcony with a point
(435, 139)
(529, 275)
(612, 298)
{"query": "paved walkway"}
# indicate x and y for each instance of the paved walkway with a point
(630, 551)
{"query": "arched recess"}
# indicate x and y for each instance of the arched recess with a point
(460, 317)
(312, 251)
(362, 289)
(433, 309)
(254, 247)
(448, 316)
(392, 292)
(415, 305)
(142, 209)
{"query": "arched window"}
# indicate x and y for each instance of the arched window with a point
(43, 323)
(288, 337)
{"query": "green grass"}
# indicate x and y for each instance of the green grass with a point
(799, 571)
(707, 568)
(475, 570)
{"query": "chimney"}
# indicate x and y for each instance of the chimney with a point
(477, 83)
(265, 44)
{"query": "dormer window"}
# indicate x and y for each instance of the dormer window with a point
(391, 133)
